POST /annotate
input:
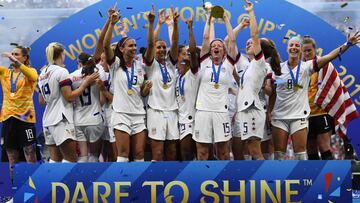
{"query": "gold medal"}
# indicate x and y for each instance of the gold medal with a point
(12, 94)
(130, 91)
(296, 88)
(165, 86)
(216, 86)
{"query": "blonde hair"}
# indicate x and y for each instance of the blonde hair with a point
(54, 51)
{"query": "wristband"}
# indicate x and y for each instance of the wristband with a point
(349, 44)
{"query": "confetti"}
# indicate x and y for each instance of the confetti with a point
(138, 38)
(129, 8)
(145, 26)
(14, 44)
(1, 5)
(2, 18)
(13, 28)
(101, 15)
(37, 30)
(280, 26)
(343, 5)
(346, 19)
(286, 38)
(350, 28)
(256, 1)
(231, 3)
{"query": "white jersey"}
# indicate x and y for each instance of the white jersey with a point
(291, 104)
(241, 65)
(122, 101)
(50, 82)
(87, 107)
(264, 99)
(159, 97)
(186, 99)
(211, 98)
(251, 82)
(107, 107)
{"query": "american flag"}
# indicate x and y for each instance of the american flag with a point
(334, 98)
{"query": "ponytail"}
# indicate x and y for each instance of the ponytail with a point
(53, 52)
(271, 54)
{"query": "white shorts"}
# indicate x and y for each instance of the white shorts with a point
(130, 123)
(267, 134)
(162, 125)
(91, 133)
(59, 133)
(212, 127)
(250, 123)
(186, 129)
(290, 125)
(108, 134)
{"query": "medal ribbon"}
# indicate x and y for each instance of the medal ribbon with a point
(130, 79)
(216, 74)
(164, 73)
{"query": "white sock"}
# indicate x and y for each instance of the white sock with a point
(247, 157)
(52, 161)
(93, 158)
(231, 156)
(83, 159)
(269, 156)
(122, 159)
(279, 155)
(300, 156)
(139, 160)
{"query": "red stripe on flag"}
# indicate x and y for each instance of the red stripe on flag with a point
(334, 99)
(328, 84)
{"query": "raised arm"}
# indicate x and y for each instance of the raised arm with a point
(205, 47)
(174, 47)
(27, 71)
(237, 30)
(170, 24)
(109, 53)
(150, 51)
(194, 59)
(232, 41)
(352, 40)
(254, 32)
(100, 45)
(161, 20)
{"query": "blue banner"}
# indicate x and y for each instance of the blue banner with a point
(6, 191)
(225, 181)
